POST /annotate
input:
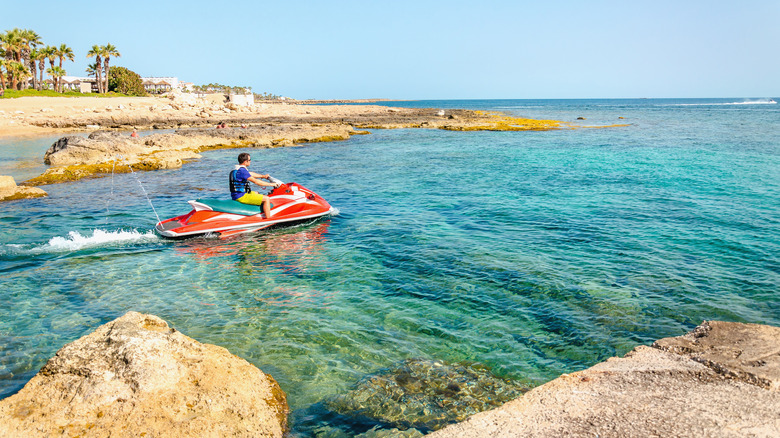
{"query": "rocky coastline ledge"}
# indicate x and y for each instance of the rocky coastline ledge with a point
(110, 149)
(136, 376)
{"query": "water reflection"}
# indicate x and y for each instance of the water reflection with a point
(292, 249)
(278, 268)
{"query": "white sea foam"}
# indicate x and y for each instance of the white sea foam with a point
(744, 102)
(75, 241)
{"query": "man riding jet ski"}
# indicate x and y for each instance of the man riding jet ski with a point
(248, 211)
(239, 184)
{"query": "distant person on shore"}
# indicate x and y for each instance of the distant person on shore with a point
(134, 134)
(222, 125)
(240, 177)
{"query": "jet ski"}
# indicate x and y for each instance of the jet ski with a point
(290, 203)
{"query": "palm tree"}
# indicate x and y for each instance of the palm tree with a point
(12, 42)
(109, 50)
(91, 70)
(4, 63)
(62, 52)
(97, 52)
(43, 54)
(56, 73)
(51, 55)
(18, 73)
(35, 55)
(30, 41)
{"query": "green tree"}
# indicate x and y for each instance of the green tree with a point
(109, 50)
(122, 80)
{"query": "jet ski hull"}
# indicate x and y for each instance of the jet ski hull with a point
(290, 202)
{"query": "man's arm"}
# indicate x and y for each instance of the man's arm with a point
(262, 183)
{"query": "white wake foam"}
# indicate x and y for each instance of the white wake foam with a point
(744, 102)
(99, 238)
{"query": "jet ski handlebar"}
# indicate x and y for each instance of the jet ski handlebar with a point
(274, 180)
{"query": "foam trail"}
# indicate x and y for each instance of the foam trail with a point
(745, 102)
(99, 238)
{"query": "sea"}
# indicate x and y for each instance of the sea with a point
(532, 254)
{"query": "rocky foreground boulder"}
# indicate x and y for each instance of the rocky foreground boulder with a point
(720, 380)
(135, 376)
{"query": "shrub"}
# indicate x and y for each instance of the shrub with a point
(125, 81)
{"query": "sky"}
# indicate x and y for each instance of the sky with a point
(421, 49)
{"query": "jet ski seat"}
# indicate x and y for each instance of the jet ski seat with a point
(231, 206)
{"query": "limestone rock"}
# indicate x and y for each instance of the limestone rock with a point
(9, 191)
(94, 149)
(720, 380)
(135, 376)
(748, 352)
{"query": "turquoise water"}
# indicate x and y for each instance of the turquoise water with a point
(532, 253)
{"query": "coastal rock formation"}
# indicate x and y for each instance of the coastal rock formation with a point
(720, 380)
(10, 191)
(135, 376)
(103, 153)
(425, 394)
(268, 124)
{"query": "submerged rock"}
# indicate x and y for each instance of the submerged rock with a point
(425, 394)
(135, 376)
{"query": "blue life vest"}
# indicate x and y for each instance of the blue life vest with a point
(237, 186)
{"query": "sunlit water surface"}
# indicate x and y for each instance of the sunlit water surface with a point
(533, 253)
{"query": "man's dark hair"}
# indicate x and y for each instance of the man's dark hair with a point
(243, 156)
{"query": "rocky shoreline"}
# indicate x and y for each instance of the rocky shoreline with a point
(136, 376)
(720, 380)
(109, 147)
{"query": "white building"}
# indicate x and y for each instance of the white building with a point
(160, 84)
(154, 85)
(75, 83)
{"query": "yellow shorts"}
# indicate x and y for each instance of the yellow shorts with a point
(251, 198)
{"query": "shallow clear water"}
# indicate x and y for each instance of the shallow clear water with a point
(533, 253)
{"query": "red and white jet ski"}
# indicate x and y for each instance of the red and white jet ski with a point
(290, 202)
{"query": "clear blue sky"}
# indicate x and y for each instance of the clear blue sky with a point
(432, 49)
